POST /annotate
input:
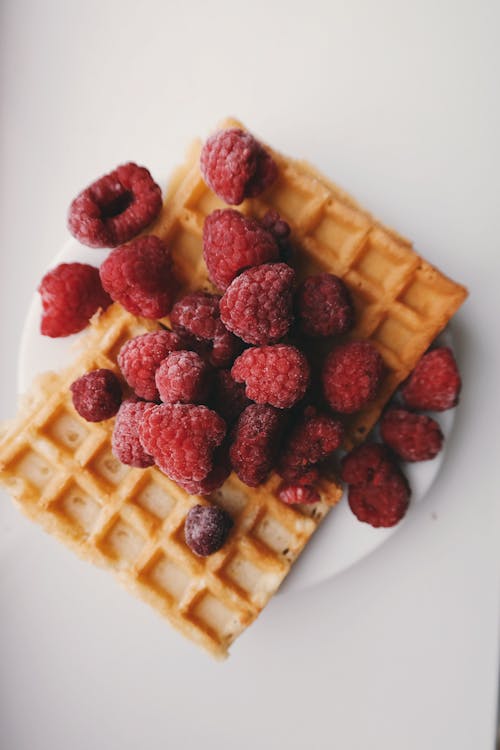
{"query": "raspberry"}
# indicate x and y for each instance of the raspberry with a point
(236, 166)
(182, 438)
(314, 438)
(351, 376)
(298, 494)
(324, 306)
(233, 242)
(214, 479)
(381, 504)
(206, 529)
(198, 314)
(140, 277)
(280, 230)
(255, 445)
(369, 462)
(96, 395)
(257, 305)
(71, 294)
(435, 382)
(413, 437)
(276, 374)
(229, 396)
(183, 377)
(140, 357)
(115, 207)
(125, 442)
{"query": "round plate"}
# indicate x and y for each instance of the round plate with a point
(341, 539)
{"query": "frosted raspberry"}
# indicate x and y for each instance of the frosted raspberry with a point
(125, 443)
(183, 377)
(314, 438)
(281, 231)
(233, 242)
(236, 166)
(256, 442)
(229, 398)
(369, 462)
(324, 306)
(96, 395)
(413, 437)
(298, 494)
(276, 374)
(435, 382)
(382, 504)
(212, 482)
(182, 439)
(351, 376)
(71, 293)
(140, 357)
(115, 207)
(140, 277)
(206, 529)
(257, 305)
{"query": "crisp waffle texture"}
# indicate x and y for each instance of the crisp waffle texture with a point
(62, 474)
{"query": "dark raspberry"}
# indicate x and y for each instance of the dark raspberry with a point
(351, 376)
(256, 442)
(125, 442)
(276, 374)
(369, 462)
(71, 294)
(225, 347)
(281, 231)
(115, 207)
(298, 494)
(236, 166)
(233, 242)
(324, 306)
(314, 438)
(382, 504)
(182, 439)
(229, 398)
(206, 529)
(97, 395)
(413, 437)
(215, 478)
(183, 377)
(140, 277)
(257, 305)
(139, 359)
(435, 382)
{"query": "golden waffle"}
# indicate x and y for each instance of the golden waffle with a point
(60, 468)
(61, 472)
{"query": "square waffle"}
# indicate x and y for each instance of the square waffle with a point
(60, 469)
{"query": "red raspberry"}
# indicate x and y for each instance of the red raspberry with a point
(324, 306)
(369, 462)
(140, 277)
(229, 396)
(236, 166)
(280, 230)
(256, 441)
(140, 357)
(182, 438)
(382, 504)
(115, 207)
(314, 438)
(351, 376)
(435, 382)
(97, 395)
(257, 305)
(214, 479)
(71, 294)
(233, 242)
(198, 314)
(276, 375)
(413, 437)
(298, 494)
(183, 377)
(206, 529)
(125, 442)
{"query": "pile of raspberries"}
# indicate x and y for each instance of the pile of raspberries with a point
(230, 386)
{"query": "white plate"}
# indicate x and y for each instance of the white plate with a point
(341, 540)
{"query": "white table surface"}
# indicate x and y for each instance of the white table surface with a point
(398, 102)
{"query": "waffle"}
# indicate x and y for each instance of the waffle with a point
(61, 471)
